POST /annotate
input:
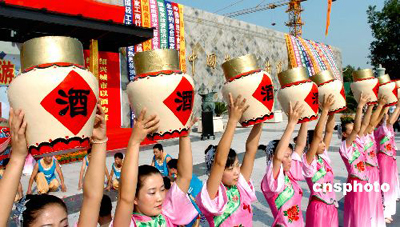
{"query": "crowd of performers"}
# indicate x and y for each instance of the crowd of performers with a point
(146, 197)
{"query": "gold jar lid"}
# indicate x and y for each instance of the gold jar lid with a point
(156, 60)
(292, 75)
(51, 49)
(363, 74)
(384, 79)
(239, 65)
(322, 77)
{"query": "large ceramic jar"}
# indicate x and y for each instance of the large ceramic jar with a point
(243, 77)
(164, 90)
(297, 87)
(57, 94)
(327, 85)
(366, 83)
(389, 88)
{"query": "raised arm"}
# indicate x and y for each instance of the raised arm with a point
(185, 161)
(319, 129)
(330, 125)
(301, 141)
(366, 121)
(129, 172)
(80, 184)
(251, 149)
(94, 179)
(395, 115)
(294, 116)
(357, 123)
(236, 109)
(12, 175)
(60, 175)
(375, 118)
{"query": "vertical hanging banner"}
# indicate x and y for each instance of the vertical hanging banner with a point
(182, 50)
(146, 22)
(163, 26)
(328, 17)
(175, 9)
(109, 86)
(171, 25)
(155, 42)
(137, 15)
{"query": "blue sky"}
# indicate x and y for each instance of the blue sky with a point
(348, 31)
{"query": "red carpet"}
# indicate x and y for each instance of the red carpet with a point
(118, 138)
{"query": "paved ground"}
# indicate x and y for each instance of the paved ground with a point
(262, 212)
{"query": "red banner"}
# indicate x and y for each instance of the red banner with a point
(109, 86)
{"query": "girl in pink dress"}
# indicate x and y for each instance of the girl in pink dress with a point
(143, 200)
(225, 200)
(388, 165)
(370, 152)
(322, 206)
(279, 185)
(356, 203)
(392, 119)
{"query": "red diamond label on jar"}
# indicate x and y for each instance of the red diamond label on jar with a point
(343, 93)
(72, 102)
(376, 89)
(395, 92)
(265, 92)
(312, 98)
(180, 101)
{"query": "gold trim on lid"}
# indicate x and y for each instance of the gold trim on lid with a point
(51, 49)
(322, 77)
(292, 75)
(156, 60)
(363, 74)
(239, 65)
(384, 79)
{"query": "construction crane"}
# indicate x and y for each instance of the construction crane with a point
(294, 9)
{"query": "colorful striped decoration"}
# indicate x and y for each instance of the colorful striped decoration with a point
(312, 55)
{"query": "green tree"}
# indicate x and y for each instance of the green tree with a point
(347, 73)
(385, 25)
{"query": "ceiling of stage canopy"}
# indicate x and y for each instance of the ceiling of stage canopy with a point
(19, 24)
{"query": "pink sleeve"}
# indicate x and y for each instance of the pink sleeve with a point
(178, 207)
(214, 206)
(309, 170)
(296, 170)
(248, 188)
(269, 184)
(347, 152)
